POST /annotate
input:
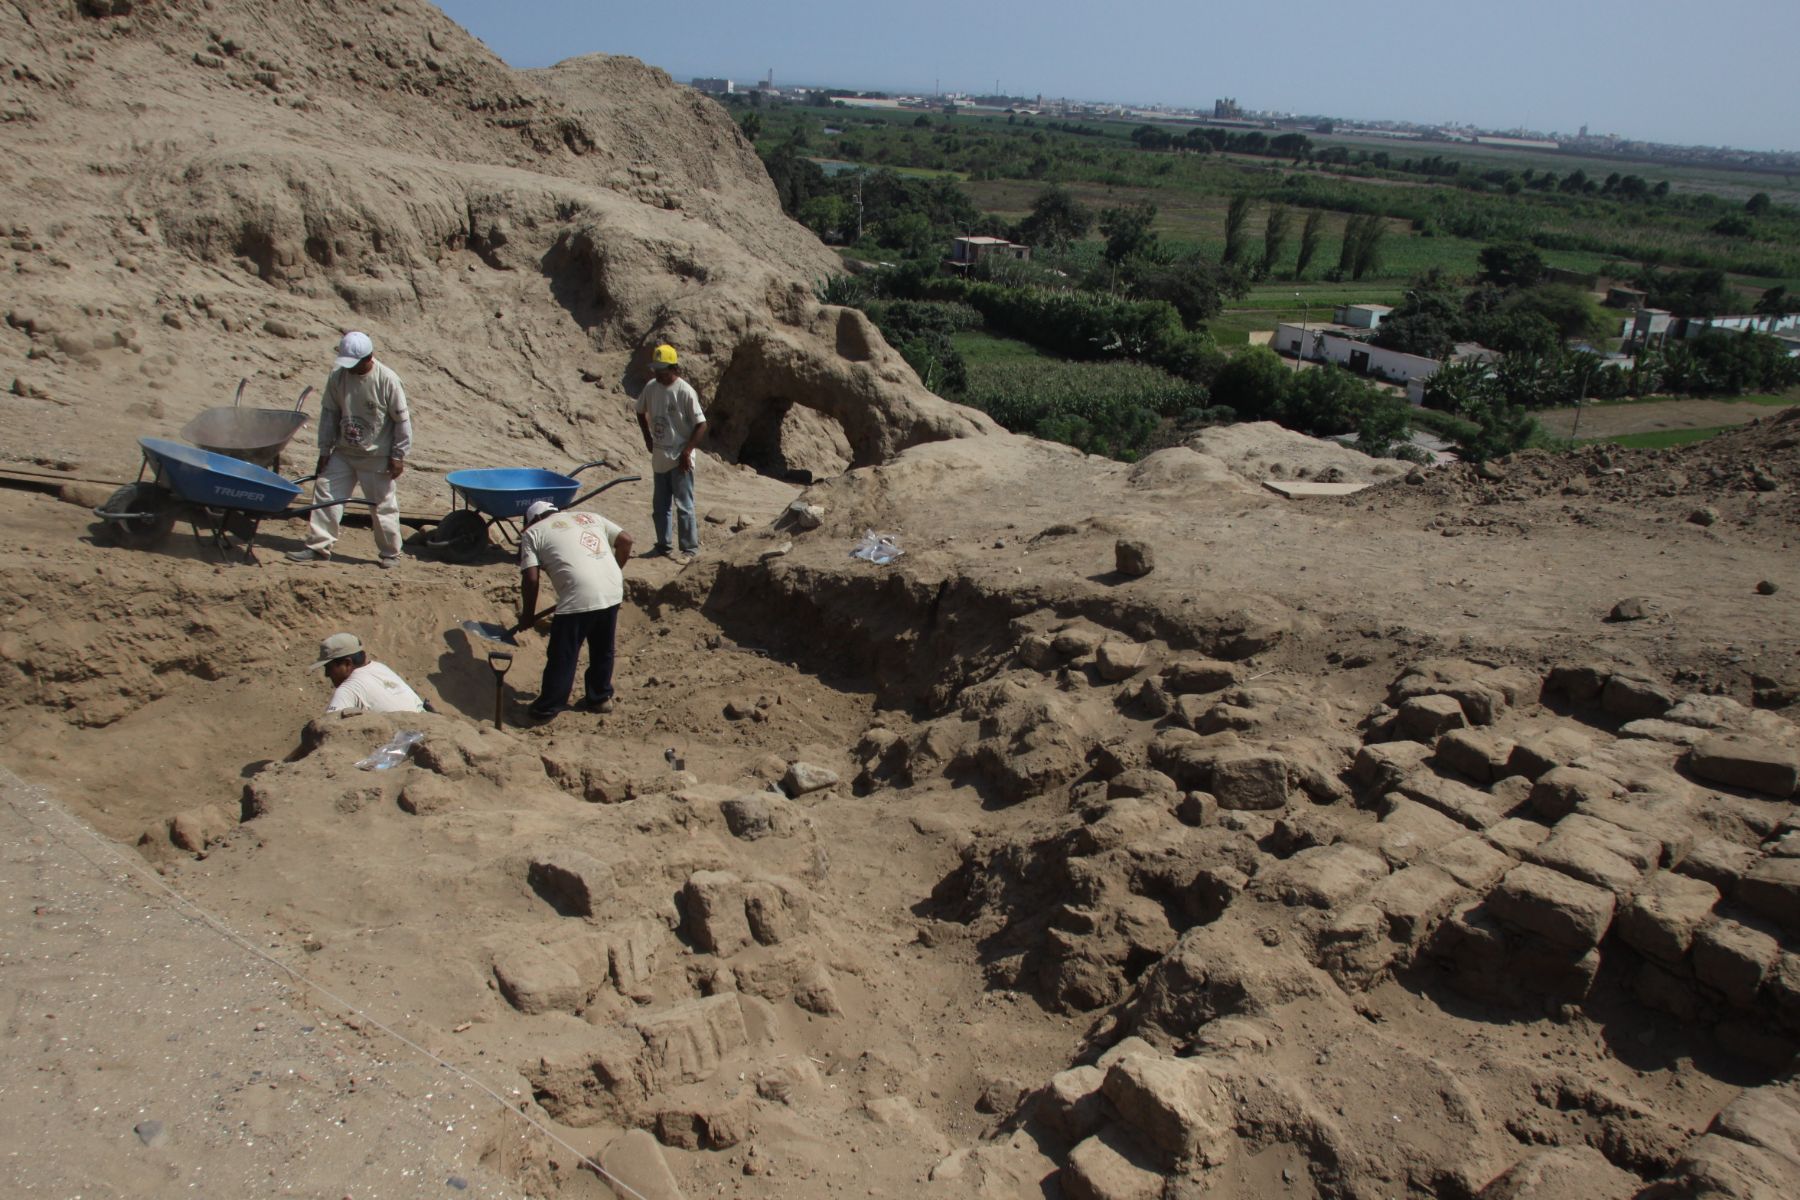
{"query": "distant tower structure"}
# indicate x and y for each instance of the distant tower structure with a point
(1227, 108)
(767, 84)
(1584, 131)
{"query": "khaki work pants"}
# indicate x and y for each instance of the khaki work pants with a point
(341, 477)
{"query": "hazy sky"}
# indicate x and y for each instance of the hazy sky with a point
(1720, 73)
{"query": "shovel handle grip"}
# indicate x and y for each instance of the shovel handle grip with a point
(533, 620)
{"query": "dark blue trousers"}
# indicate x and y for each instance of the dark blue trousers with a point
(568, 633)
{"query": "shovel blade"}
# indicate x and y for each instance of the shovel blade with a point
(489, 631)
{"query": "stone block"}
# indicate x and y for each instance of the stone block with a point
(776, 909)
(573, 883)
(1562, 910)
(689, 1041)
(1111, 1166)
(1472, 861)
(1767, 1118)
(1141, 782)
(1380, 766)
(1747, 763)
(1718, 862)
(1662, 730)
(1176, 1107)
(1555, 793)
(1660, 919)
(1198, 676)
(1070, 1103)
(1661, 818)
(712, 904)
(1532, 756)
(1632, 697)
(757, 815)
(1580, 683)
(1518, 837)
(1474, 754)
(1251, 782)
(1414, 900)
(634, 951)
(1722, 1168)
(1733, 958)
(804, 778)
(1458, 801)
(1354, 946)
(1597, 853)
(534, 980)
(1772, 888)
(1320, 877)
(1424, 718)
(1562, 1173)
(1406, 831)
(1117, 661)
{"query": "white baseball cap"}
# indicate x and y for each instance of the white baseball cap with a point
(353, 348)
(538, 508)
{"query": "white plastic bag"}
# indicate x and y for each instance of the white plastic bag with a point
(394, 752)
(878, 548)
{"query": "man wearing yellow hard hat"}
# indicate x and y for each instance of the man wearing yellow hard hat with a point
(669, 413)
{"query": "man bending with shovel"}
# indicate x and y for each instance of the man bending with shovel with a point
(585, 555)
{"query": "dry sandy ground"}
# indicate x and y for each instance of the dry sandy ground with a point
(995, 872)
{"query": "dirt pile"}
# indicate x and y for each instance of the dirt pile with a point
(199, 192)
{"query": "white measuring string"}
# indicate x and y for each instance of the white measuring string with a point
(17, 786)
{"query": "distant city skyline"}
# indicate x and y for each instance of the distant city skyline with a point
(1657, 71)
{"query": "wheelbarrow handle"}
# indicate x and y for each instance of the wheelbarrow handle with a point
(582, 499)
(306, 508)
(304, 393)
(239, 398)
(598, 462)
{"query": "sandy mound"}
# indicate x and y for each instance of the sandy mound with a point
(1260, 450)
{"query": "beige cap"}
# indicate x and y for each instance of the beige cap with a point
(338, 645)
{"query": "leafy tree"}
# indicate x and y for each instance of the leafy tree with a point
(1310, 237)
(1758, 204)
(1237, 216)
(1368, 246)
(1196, 287)
(1056, 219)
(1567, 310)
(828, 216)
(1384, 423)
(1512, 265)
(1776, 304)
(1275, 231)
(1127, 230)
(751, 124)
(1347, 252)
(1253, 382)
(1427, 322)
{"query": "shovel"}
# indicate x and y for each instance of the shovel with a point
(494, 632)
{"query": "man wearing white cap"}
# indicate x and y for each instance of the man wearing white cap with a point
(585, 555)
(360, 685)
(365, 432)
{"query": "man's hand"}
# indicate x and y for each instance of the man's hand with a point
(319, 467)
(686, 461)
(396, 467)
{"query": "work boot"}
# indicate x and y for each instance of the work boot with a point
(389, 561)
(309, 555)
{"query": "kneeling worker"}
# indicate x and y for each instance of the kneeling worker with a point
(585, 554)
(361, 685)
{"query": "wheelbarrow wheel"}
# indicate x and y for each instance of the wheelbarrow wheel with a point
(460, 536)
(153, 515)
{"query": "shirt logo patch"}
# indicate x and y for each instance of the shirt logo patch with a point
(591, 542)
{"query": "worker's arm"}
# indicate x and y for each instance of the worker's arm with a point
(328, 421)
(528, 594)
(644, 424)
(401, 416)
(622, 549)
(687, 452)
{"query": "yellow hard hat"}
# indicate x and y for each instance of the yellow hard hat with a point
(664, 355)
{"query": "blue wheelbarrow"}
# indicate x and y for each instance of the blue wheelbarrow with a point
(230, 495)
(490, 498)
